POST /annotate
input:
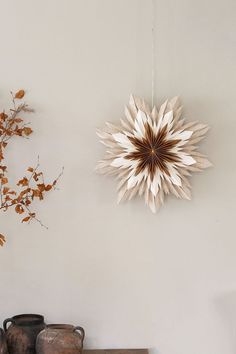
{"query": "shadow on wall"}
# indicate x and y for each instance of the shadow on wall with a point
(226, 307)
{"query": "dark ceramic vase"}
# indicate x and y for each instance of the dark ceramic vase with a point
(3, 343)
(22, 333)
(60, 339)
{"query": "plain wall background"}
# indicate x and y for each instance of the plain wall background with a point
(131, 278)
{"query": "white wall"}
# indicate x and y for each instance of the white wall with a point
(132, 279)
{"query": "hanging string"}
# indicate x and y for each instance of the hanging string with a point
(153, 51)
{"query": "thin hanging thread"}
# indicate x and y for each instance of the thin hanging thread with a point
(153, 51)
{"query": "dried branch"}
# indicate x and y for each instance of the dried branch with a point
(30, 187)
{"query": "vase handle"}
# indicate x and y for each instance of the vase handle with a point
(82, 333)
(5, 322)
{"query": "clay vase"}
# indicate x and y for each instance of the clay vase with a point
(3, 343)
(22, 333)
(60, 339)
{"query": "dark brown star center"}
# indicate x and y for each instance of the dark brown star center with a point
(153, 152)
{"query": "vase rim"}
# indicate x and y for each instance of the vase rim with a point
(60, 326)
(27, 319)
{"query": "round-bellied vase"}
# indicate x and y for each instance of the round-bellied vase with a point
(22, 333)
(60, 339)
(3, 342)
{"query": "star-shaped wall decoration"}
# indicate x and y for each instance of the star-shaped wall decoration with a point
(153, 152)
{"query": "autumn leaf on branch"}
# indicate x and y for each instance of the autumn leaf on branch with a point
(23, 182)
(27, 218)
(32, 186)
(2, 240)
(27, 131)
(19, 209)
(20, 94)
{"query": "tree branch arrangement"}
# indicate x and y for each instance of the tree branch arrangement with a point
(32, 185)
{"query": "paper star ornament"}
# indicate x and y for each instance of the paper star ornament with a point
(152, 152)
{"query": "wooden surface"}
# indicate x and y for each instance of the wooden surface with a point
(115, 351)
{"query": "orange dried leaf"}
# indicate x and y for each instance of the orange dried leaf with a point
(8, 132)
(27, 190)
(30, 169)
(2, 240)
(5, 190)
(35, 177)
(4, 180)
(19, 209)
(3, 116)
(8, 198)
(20, 94)
(19, 132)
(48, 187)
(23, 182)
(41, 187)
(27, 218)
(36, 193)
(18, 120)
(27, 131)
